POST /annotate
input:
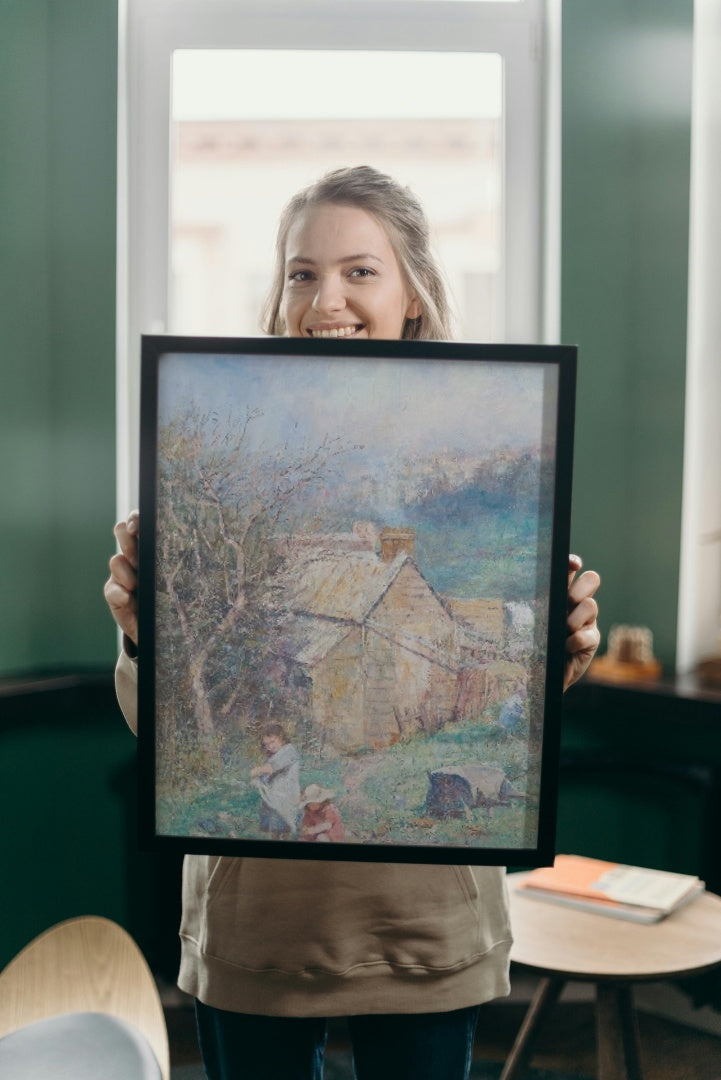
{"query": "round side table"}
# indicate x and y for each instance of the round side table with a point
(563, 944)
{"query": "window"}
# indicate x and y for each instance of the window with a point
(227, 107)
(235, 160)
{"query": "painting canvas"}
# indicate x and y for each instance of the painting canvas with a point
(353, 567)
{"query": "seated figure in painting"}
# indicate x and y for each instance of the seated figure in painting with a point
(321, 817)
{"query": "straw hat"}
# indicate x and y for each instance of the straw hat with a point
(314, 793)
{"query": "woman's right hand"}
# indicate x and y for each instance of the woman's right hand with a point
(121, 587)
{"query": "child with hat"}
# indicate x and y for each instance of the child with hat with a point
(321, 819)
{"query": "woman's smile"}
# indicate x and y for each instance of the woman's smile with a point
(334, 331)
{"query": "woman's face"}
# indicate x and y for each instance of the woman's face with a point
(342, 277)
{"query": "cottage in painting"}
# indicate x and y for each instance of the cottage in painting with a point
(378, 652)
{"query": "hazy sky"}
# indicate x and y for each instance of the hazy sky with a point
(404, 407)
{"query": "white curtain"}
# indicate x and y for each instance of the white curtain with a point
(700, 582)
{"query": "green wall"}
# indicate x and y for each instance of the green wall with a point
(58, 72)
(67, 772)
(68, 803)
(625, 201)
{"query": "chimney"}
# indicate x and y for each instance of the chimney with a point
(393, 541)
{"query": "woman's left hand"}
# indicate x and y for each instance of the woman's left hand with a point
(583, 635)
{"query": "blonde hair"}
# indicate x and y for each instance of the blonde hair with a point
(403, 217)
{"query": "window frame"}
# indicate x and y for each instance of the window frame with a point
(526, 34)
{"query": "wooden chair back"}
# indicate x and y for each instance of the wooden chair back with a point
(87, 964)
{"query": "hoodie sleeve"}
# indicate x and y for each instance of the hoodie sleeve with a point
(126, 688)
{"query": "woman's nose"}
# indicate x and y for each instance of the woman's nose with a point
(329, 296)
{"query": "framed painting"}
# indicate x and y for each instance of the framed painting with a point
(352, 597)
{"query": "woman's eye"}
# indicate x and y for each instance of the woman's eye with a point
(300, 276)
(362, 272)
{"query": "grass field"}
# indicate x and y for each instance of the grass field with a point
(380, 794)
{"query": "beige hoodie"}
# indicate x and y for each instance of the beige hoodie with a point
(284, 937)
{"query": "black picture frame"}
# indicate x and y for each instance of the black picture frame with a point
(353, 572)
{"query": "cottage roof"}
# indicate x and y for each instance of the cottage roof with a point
(326, 593)
(339, 587)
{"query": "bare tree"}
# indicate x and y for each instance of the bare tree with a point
(219, 503)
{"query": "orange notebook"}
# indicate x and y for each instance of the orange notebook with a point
(631, 892)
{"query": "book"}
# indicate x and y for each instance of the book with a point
(621, 891)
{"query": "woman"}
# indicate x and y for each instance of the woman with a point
(271, 948)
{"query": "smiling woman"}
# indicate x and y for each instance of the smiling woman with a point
(353, 253)
(353, 259)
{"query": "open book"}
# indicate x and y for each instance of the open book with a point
(608, 888)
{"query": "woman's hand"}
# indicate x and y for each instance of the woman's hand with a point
(583, 635)
(121, 587)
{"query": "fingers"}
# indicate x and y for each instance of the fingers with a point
(582, 613)
(583, 636)
(123, 572)
(121, 587)
(123, 607)
(582, 588)
(582, 607)
(126, 534)
(586, 641)
(580, 650)
(120, 600)
(575, 562)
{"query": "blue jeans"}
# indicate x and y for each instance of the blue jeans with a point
(415, 1046)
